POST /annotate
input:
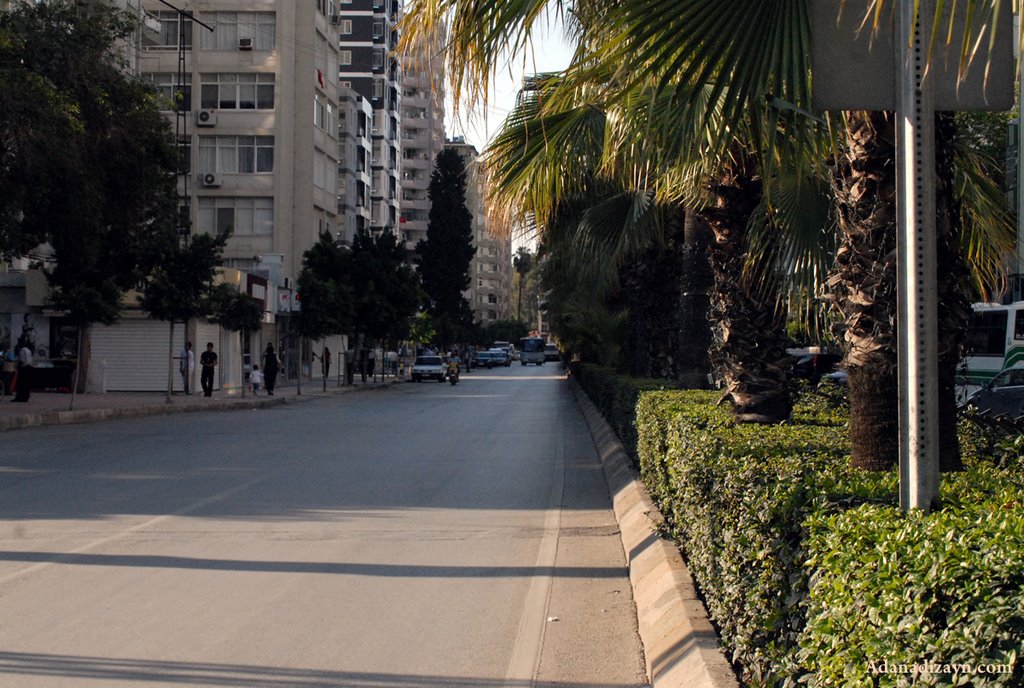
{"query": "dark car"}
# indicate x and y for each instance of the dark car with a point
(811, 366)
(1002, 395)
(487, 359)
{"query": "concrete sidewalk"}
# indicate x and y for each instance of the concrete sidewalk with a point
(52, 408)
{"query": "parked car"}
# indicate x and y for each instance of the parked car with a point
(1002, 395)
(813, 365)
(430, 367)
(551, 353)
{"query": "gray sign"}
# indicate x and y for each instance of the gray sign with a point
(854, 67)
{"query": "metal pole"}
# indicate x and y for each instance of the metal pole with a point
(916, 261)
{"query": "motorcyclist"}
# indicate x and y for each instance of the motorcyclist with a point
(453, 365)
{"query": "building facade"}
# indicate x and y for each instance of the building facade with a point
(490, 290)
(422, 135)
(367, 64)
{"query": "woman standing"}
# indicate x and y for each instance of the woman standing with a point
(270, 368)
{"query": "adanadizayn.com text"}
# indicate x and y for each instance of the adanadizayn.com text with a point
(935, 668)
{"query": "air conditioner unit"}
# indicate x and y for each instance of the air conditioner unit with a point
(206, 118)
(245, 44)
(335, 18)
(210, 180)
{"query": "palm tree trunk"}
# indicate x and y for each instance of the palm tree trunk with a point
(170, 363)
(751, 353)
(695, 335)
(954, 291)
(864, 286)
(864, 289)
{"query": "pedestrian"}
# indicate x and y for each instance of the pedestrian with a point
(207, 361)
(25, 368)
(186, 366)
(270, 368)
(255, 379)
(9, 369)
(325, 359)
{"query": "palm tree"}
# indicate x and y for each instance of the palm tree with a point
(523, 263)
(744, 63)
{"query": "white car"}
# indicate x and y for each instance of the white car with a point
(431, 367)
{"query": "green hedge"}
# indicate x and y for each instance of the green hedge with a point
(615, 395)
(784, 539)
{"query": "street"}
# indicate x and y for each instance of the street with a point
(421, 535)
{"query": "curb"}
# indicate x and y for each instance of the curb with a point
(681, 647)
(32, 420)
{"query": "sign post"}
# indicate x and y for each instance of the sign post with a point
(916, 261)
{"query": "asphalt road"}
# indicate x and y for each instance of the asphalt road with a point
(418, 536)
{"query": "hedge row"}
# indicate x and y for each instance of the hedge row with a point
(811, 572)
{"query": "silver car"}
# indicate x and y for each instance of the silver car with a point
(430, 367)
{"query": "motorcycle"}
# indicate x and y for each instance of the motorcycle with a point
(453, 374)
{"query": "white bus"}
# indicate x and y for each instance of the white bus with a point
(995, 342)
(531, 350)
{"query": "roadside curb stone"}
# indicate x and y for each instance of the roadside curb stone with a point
(681, 647)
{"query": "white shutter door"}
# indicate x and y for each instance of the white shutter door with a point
(134, 354)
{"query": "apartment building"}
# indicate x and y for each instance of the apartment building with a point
(355, 151)
(367, 39)
(422, 134)
(255, 83)
(490, 290)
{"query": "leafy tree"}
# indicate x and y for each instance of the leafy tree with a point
(326, 290)
(386, 290)
(181, 286)
(95, 178)
(236, 312)
(445, 256)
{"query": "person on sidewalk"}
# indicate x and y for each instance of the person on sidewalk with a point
(186, 366)
(25, 368)
(270, 368)
(255, 379)
(208, 361)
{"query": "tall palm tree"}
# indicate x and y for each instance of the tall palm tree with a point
(523, 263)
(738, 58)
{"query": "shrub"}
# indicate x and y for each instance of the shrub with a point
(772, 518)
(892, 588)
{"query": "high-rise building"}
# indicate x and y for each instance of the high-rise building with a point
(367, 39)
(422, 134)
(490, 290)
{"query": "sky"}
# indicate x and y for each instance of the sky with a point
(549, 53)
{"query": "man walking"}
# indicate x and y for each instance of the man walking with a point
(207, 361)
(187, 364)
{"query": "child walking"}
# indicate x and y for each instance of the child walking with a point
(255, 379)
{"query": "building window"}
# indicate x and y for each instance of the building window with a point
(236, 154)
(170, 31)
(345, 26)
(378, 88)
(378, 28)
(345, 58)
(167, 86)
(244, 216)
(229, 27)
(318, 111)
(378, 59)
(238, 91)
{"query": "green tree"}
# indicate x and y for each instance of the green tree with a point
(523, 264)
(326, 290)
(94, 179)
(181, 287)
(386, 290)
(236, 312)
(446, 254)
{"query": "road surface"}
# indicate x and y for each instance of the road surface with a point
(417, 536)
